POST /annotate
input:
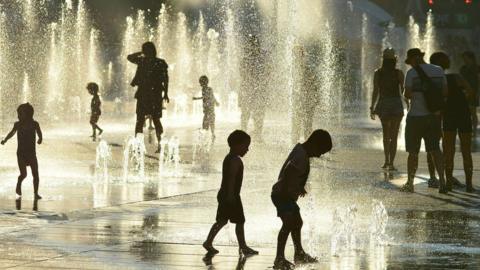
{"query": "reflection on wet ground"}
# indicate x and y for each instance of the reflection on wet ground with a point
(88, 222)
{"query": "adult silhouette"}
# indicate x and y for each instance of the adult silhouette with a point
(151, 78)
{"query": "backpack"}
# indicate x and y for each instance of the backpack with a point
(433, 96)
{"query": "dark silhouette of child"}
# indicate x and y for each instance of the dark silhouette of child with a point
(26, 128)
(209, 103)
(96, 111)
(151, 78)
(289, 187)
(230, 206)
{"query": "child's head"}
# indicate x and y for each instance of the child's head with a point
(92, 88)
(203, 80)
(149, 50)
(25, 112)
(239, 141)
(319, 143)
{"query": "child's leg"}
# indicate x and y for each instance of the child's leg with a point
(240, 232)
(36, 178)
(297, 233)
(283, 234)
(100, 131)
(216, 227)
(205, 123)
(212, 126)
(94, 130)
(22, 166)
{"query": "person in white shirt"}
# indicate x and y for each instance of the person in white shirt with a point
(421, 122)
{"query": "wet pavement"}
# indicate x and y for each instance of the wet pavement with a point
(88, 221)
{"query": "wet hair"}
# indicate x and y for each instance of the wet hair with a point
(322, 139)
(238, 137)
(389, 64)
(470, 55)
(203, 79)
(437, 58)
(148, 48)
(25, 111)
(92, 87)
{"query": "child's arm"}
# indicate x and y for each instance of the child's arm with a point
(231, 174)
(10, 135)
(197, 98)
(39, 133)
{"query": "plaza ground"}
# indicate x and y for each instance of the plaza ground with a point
(87, 221)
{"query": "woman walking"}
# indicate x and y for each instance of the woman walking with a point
(388, 88)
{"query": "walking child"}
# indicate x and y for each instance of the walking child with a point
(209, 102)
(289, 187)
(26, 128)
(95, 108)
(230, 206)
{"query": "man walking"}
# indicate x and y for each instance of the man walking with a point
(423, 118)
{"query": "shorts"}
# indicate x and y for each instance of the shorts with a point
(458, 123)
(27, 159)
(285, 205)
(208, 120)
(428, 128)
(232, 212)
(389, 108)
(94, 118)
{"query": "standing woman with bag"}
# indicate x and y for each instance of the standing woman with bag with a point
(388, 88)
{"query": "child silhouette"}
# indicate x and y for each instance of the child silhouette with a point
(26, 127)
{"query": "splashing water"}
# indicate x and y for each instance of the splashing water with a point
(134, 157)
(103, 156)
(344, 230)
(169, 157)
(201, 146)
(378, 224)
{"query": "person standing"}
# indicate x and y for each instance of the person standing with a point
(423, 119)
(95, 110)
(152, 80)
(388, 89)
(471, 71)
(26, 128)
(456, 119)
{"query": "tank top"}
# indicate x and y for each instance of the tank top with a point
(389, 83)
(457, 103)
(238, 177)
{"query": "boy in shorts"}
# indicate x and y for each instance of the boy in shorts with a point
(230, 206)
(289, 187)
